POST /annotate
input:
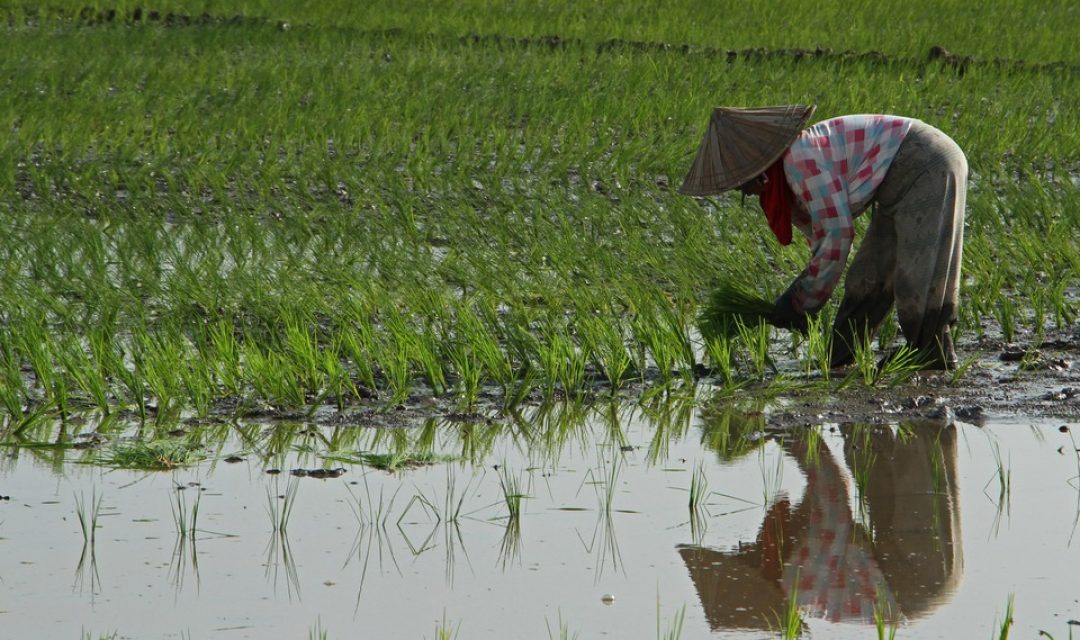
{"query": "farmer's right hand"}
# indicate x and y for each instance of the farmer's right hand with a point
(784, 315)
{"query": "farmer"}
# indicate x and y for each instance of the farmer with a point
(820, 179)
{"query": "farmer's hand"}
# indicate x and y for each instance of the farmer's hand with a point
(784, 315)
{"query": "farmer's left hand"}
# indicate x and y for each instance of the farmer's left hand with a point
(784, 315)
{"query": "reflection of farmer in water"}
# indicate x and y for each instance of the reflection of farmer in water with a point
(820, 179)
(898, 552)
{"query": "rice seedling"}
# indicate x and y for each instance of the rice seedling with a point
(674, 630)
(445, 631)
(789, 623)
(699, 493)
(186, 519)
(1004, 481)
(512, 493)
(279, 507)
(87, 514)
(755, 339)
(317, 632)
(155, 455)
(731, 305)
(562, 632)
(1007, 622)
(886, 622)
(818, 349)
(721, 352)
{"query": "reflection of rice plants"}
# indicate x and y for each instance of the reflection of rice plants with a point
(186, 520)
(510, 545)
(699, 493)
(278, 550)
(88, 513)
(279, 507)
(1003, 475)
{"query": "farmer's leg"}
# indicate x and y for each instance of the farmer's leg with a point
(930, 238)
(868, 290)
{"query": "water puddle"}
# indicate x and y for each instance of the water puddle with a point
(619, 521)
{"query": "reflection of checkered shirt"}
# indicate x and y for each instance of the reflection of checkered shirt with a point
(834, 575)
(833, 168)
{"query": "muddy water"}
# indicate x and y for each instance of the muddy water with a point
(912, 517)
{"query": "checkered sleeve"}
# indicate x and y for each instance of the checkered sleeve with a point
(823, 192)
(834, 168)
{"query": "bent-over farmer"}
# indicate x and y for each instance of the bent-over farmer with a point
(821, 178)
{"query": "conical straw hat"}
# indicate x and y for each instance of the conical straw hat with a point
(740, 144)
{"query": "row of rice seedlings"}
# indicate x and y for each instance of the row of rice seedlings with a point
(1030, 37)
(404, 367)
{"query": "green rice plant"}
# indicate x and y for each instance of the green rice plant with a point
(197, 380)
(789, 622)
(510, 545)
(818, 355)
(886, 619)
(358, 344)
(721, 352)
(1006, 312)
(13, 393)
(1003, 476)
(900, 365)
(866, 359)
(162, 358)
(87, 375)
(269, 374)
(731, 305)
(394, 461)
(224, 352)
(563, 630)
(1007, 622)
(755, 338)
(674, 631)
(88, 513)
(562, 363)
(659, 331)
(40, 349)
(469, 372)
(393, 360)
(699, 493)
(156, 455)
(279, 507)
(512, 493)
(444, 631)
(485, 345)
(606, 343)
(184, 518)
(318, 633)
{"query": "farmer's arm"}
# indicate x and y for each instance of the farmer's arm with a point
(824, 194)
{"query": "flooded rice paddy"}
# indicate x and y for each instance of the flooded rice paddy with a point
(667, 518)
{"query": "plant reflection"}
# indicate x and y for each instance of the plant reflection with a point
(890, 552)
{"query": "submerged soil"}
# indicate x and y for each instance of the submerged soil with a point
(1023, 379)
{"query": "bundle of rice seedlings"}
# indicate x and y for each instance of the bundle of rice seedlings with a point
(729, 304)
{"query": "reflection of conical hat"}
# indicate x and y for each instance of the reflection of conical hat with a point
(740, 144)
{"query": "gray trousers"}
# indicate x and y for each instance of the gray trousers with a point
(911, 252)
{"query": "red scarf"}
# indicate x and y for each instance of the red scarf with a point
(777, 200)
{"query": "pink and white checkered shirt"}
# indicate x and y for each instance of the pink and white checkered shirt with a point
(834, 167)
